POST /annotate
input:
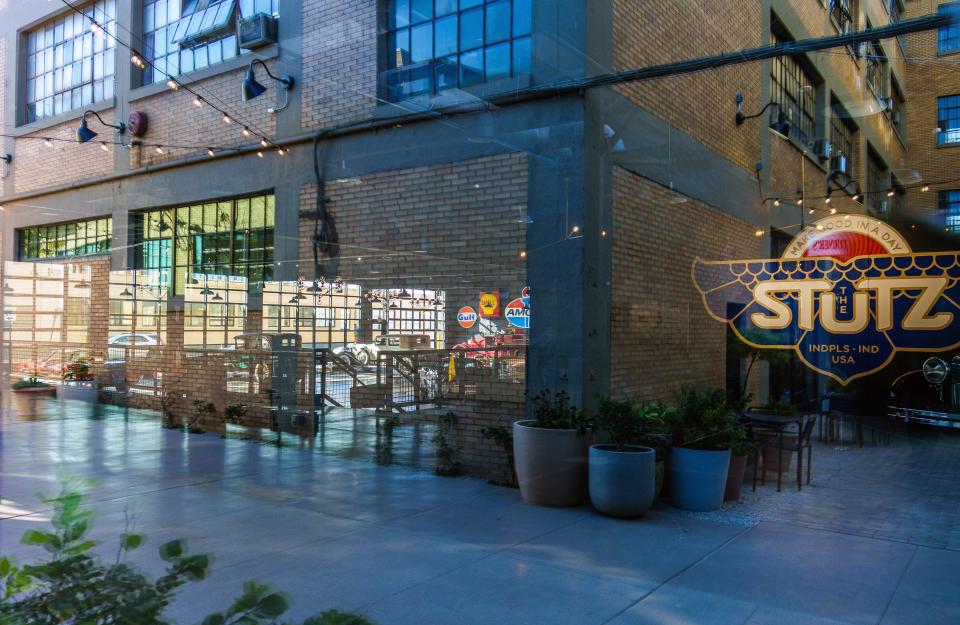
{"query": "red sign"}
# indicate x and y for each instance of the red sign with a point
(467, 317)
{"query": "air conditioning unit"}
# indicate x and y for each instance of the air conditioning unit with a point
(839, 163)
(823, 149)
(257, 31)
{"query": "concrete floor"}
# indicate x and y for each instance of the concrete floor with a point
(871, 541)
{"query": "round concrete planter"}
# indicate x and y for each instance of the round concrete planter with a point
(622, 483)
(551, 465)
(738, 468)
(28, 402)
(698, 478)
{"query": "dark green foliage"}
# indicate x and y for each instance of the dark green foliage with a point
(625, 423)
(234, 413)
(447, 452)
(31, 382)
(202, 410)
(503, 438)
(556, 413)
(73, 586)
(705, 419)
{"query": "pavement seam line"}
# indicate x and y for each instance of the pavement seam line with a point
(679, 573)
(903, 574)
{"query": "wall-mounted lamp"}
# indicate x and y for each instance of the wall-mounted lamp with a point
(84, 134)
(779, 126)
(253, 89)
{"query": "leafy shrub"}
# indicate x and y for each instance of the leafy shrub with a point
(556, 413)
(627, 424)
(705, 419)
(78, 370)
(31, 382)
(448, 463)
(502, 437)
(73, 586)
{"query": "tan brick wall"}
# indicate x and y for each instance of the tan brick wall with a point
(700, 104)
(661, 334)
(930, 77)
(174, 119)
(38, 166)
(339, 81)
(452, 227)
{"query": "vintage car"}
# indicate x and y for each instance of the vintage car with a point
(930, 394)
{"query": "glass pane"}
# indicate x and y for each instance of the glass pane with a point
(446, 36)
(421, 43)
(444, 7)
(471, 68)
(498, 61)
(421, 10)
(399, 48)
(498, 21)
(471, 29)
(522, 17)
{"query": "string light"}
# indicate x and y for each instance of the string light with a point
(810, 212)
(263, 143)
(523, 253)
(800, 202)
(819, 226)
(137, 60)
(96, 28)
(776, 202)
(245, 132)
(260, 154)
(759, 233)
(173, 85)
(925, 188)
(226, 119)
(890, 193)
(210, 152)
(160, 150)
(103, 146)
(603, 233)
(198, 102)
(281, 151)
(833, 211)
(48, 143)
(575, 229)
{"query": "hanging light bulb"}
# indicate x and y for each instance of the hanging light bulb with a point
(523, 253)
(210, 152)
(759, 233)
(48, 143)
(263, 143)
(281, 151)
(226, 119)
(137, 60)
(833, 211)
(96, 28)
(800, 202)
(810, 212)
(198, 102)
(776, 202)
(260, 154)
(925, 188)
(159, 150)
(245, 132)
(891, 193)
(173, 85)
(103, 146)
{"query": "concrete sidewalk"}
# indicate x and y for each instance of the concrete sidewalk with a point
(405, 547)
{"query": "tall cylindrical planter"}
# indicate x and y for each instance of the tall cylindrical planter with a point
(738, 468)
(551, 465)
(622, 483)
(29, 402)
(698, 478)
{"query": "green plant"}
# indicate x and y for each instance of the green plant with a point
(31, 382)
(556, 412)
(625, 423)
(705, 419)
(234, 413)
(447, 463)
(502, 437)
(202, 409)
(78, 370)
(74, 586)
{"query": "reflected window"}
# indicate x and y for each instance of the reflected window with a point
(948, 39)
(842, 135)
(185, 35)
(436, 45)
(949, 202)
(795, 90)
(77, 238)
(948, 119)
(878, 183)
(69, 62)
(229, 237)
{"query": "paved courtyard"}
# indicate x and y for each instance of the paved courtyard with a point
(875, 539)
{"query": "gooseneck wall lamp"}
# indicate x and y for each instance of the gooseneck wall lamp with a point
(253, 89)
(780, 126)
(84, 134)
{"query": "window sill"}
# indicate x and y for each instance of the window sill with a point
(953, 52)
(807, 153)
(471, 97)
(56, 120)
(946, 146)
(230, 65)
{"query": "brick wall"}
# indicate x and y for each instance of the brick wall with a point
(930, 77)
(452, 227)
(37, 165)
(339, 81)
(173, 117)
(661, 334)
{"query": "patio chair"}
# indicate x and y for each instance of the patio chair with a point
(802, 443)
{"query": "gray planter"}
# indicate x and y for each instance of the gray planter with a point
(622, 483)
(29, 402)
(78, 391)
(698, 478)
(551, 465)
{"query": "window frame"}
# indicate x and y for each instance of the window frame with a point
(948, 205)
(92, 92)
(802, 105)
(953, 30)
(28, 236)
(945, 129)
(843, 127)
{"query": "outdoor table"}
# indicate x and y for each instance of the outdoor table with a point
(779, 423)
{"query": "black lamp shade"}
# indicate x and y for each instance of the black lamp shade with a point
(84, 133)
(251, 88)
(782, 125)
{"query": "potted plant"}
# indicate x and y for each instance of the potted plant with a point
(550, 452)
(622, 472)
(740, 451)
(27, 395)
(702, 429)
(78, 382)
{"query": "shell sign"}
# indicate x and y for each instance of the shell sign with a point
(489, 304)
(846, 296)
(467, 317)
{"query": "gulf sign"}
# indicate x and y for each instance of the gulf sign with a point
(517, 312)
(846, 296)
(467, 317)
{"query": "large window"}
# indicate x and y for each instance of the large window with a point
(876, 69)
(228, 238)
(878, 184)
(180, 36)
(435, 45)
(948, 39)
(948, 120)
(78, 238)
(795, 91)
(842, 136)
(844, 16)
(950, 208)
(69, 65)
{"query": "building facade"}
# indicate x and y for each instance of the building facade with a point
(401, 177)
